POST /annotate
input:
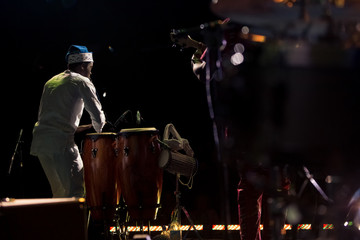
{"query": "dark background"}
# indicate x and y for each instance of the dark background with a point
(139, 69)
(135, 64)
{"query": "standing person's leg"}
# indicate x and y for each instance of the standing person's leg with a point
(77, 188)
(55, 173)
(249, 209)
(274, 219)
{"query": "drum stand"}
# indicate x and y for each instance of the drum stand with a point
(309, 177)
(101, 230)
(121, 227)
(98, 229)
(176, 217)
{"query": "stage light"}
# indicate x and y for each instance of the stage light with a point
(245, 30)
(171, 159)
(111, 49)
(339, 3)
(237, 59)
(258, 38)
(177, 163)
(239, 48)
(142, 237)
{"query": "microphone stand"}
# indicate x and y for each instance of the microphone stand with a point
(18, 150)
(310, 178)
(213, 40)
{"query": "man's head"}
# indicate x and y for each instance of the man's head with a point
(79, 60)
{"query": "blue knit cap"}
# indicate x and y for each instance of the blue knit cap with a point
(78, 54)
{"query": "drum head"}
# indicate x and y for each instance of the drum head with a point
(164, 158)
(101, 134)
(96, 136)
(136, 130)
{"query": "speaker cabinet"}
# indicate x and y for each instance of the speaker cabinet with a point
(43, 219)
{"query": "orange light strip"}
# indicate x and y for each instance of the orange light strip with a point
(233, 227)
(236, 227)
(287, 227)
(159, 228)
(188, 227)
(304, 226)
(258, 38)
(219, 227)
(328, 226)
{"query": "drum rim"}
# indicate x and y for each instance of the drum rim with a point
(135, 130)
(101, 134)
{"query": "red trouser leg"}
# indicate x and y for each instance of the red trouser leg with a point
(253, 208)
(249, 208)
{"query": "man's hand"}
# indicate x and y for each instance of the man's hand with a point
(82, 128)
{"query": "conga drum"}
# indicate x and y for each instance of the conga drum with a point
(140, 175)
(99, 155)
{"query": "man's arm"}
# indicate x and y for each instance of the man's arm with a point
(92, 105)
(198, 64)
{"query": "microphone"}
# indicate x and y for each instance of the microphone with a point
(138, 118)
(122, 118)
(108, 122)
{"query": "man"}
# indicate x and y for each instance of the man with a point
(62, 103)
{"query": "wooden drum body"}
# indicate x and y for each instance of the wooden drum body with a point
(99, 155)
(141, 178)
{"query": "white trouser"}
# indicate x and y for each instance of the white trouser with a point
(65, 172)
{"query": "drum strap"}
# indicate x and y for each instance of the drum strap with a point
(176, 143)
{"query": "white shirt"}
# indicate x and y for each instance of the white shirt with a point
(62, 103)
